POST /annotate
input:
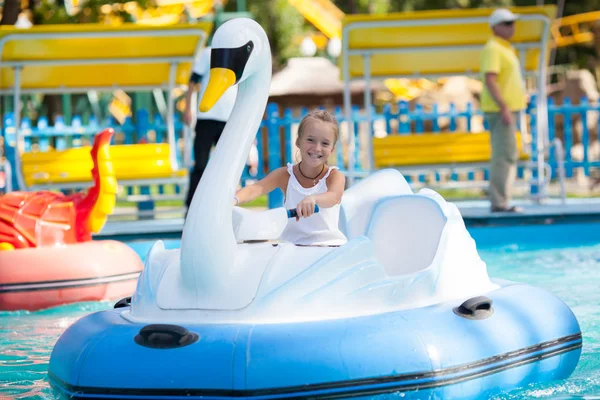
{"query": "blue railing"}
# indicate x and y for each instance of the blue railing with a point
(565, 113)
(274, 140)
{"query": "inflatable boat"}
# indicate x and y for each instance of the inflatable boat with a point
(405, 306)
(47, 255)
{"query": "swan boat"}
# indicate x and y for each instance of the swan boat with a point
(405, 306)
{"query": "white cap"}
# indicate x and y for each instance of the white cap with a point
(502, 15)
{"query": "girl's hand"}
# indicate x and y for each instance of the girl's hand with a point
(306, 207)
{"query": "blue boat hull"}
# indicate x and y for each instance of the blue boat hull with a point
(531, 336)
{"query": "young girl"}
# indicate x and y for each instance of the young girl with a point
(307, 183)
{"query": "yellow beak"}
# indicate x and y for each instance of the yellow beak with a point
(219, 81)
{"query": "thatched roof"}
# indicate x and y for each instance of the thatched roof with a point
(313, 76)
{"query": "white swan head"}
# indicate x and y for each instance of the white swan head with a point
(238, 52)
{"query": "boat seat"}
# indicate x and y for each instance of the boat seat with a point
(131, 163)
(405, 232)
(358, 201)
(437, 148)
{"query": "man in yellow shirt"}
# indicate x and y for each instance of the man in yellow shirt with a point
(502, 99)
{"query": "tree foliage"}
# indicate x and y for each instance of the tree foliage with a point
(283, 24)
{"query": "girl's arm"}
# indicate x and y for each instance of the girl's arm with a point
(336, 181)
(276, 179)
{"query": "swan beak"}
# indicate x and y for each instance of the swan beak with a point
(219, 81)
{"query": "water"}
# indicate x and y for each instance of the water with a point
(569, 270)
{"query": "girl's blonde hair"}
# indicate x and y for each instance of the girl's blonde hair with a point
(323, 116)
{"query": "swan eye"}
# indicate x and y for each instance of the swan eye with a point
(248, 48)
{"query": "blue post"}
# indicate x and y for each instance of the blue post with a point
(42, 128)
(418, 115)
(452, 115)
(403, 117)
(27, 134)
(568, 135)
(387, 116)
(552, 133)
(93, 127)
(77, 129)
(355, 116)
(339, 151)
(178, 126)
(128, 130)
(469, 116)
(274, 144)
(60, 131)
(533, 187)
(288, 119)
(159, 127)
(434, 118)
(585, 135)
(142, 125)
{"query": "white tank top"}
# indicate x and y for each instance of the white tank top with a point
(320, 228)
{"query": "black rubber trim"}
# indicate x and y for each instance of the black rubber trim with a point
(352, 386)
(66, 284)
(233, 59)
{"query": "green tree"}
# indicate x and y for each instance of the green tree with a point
(282, 23)
(89, 11)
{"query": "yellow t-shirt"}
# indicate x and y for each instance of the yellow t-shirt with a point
(500, 57)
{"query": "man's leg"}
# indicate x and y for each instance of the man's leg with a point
(503, 166)
(207, 133)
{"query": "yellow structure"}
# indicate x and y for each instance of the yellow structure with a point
(436, 44)
(436, 148)
(130, 162)
(169, 11)
(323, 14)
(579, 28)
(80, 58)
(327, 18)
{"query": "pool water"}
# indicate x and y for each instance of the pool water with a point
(569, 268)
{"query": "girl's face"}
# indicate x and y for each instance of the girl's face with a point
(316, 142)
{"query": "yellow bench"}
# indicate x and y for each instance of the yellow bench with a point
(426, 149)
(134, 164)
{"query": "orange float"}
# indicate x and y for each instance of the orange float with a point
(47, 255)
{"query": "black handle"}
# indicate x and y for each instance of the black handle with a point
(479, 307)
(173, 330)
(124, 302)
(293, 213)
(162, 336)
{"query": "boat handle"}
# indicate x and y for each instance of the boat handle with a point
(292, 213)
(124, 302)
(479, 307)
(172, 330)
(176, 336)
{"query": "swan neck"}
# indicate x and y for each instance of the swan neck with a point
(208, 246)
